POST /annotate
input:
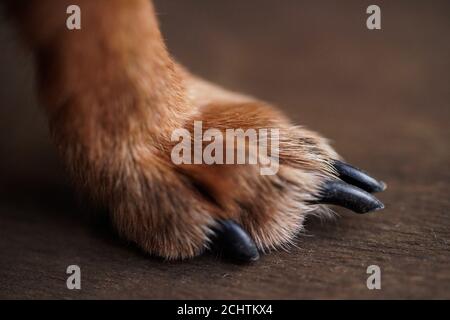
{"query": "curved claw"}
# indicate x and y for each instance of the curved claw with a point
(345, 195)
(235, 241)
(357, 177)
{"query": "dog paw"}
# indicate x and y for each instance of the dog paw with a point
(253, 210)
(177, 209)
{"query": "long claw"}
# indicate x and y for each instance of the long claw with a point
(345, 195)
(357, 177)
(235, 242)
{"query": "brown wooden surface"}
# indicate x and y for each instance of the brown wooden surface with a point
(382, 97)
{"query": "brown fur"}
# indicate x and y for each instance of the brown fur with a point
(113, 96)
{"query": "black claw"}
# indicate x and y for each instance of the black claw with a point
(357, 177)
(235, 242)
(345, 195)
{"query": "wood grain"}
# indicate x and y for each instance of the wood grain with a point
(381, 96)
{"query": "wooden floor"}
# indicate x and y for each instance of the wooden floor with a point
(383, 97)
